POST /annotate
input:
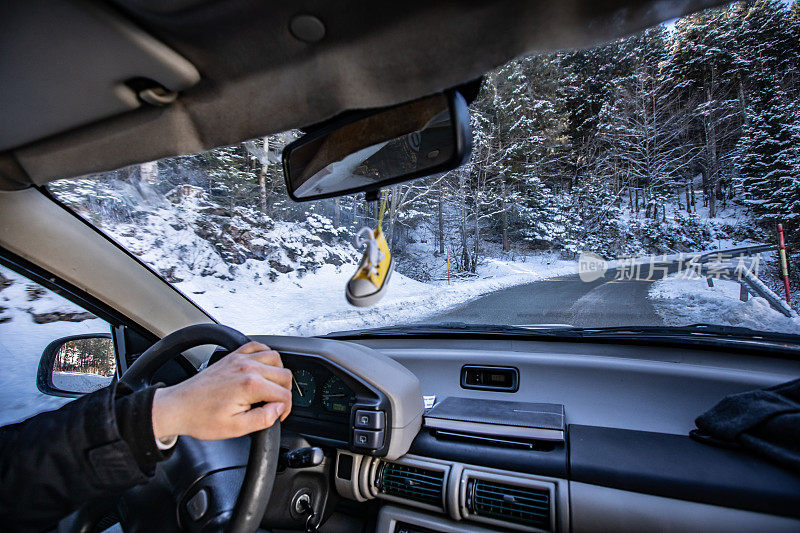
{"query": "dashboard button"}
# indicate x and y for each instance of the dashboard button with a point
(365, 438)
(370, 419)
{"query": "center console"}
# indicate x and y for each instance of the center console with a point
(476, 464)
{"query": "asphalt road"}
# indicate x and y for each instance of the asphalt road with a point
(607, 301)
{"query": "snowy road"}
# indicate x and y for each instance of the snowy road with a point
(568, 300)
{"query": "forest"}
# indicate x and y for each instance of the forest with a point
(91, 355)
(666, 141)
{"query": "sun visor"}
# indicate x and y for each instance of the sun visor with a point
(54, 79)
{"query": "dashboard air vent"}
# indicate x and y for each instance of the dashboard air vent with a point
(411, 483)
(526, 506)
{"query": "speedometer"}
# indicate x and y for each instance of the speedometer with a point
(336, 396)
(303, 388)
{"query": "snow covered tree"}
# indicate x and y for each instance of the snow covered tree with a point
(704, 61)
(519, 129)
(642, 130)
(231, 176)
(770, 166)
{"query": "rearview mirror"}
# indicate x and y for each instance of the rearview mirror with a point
(77, 365)
(368, 150)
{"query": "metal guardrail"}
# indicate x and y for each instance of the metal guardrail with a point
(723, 261)
(735, 252)
(756, 286)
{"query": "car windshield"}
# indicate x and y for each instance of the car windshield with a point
(602, 185)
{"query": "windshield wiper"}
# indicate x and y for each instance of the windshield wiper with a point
(708, 334)
(454, 327)
(695, 330)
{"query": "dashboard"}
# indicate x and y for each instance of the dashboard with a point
(625, 461)
(621, 458)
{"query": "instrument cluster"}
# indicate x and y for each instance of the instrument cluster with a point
(335, 407)
(318, 393)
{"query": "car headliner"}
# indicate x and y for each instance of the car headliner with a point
(240, 72)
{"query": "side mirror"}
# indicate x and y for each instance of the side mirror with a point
(366, 150)
(76, 365)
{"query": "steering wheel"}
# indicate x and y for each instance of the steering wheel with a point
(262, 462)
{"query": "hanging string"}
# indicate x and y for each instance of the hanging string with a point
(382, 211)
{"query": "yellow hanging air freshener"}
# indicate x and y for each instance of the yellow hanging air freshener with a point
(369, 283)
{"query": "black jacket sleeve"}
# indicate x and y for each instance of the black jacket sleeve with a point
(52, 463)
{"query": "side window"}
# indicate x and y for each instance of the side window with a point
(30, 318)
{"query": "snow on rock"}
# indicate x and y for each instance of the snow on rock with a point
(19, 297)
(682, 301)
(183, 235)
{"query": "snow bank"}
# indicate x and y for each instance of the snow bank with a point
(681, 301)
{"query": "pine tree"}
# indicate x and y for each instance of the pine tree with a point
(704, 63)
(231, 177)
(771, 161)
(642, 130)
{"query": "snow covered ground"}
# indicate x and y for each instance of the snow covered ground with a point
(315, 304)
(681, 301)
(78, 382)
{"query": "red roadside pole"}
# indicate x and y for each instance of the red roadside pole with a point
(448, 265)
(784, 265)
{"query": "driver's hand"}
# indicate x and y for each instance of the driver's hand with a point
(216, 403)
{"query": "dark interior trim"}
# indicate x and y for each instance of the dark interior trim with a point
(675, 466)
(550, 462)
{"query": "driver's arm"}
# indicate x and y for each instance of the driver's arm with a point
(105, 442)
